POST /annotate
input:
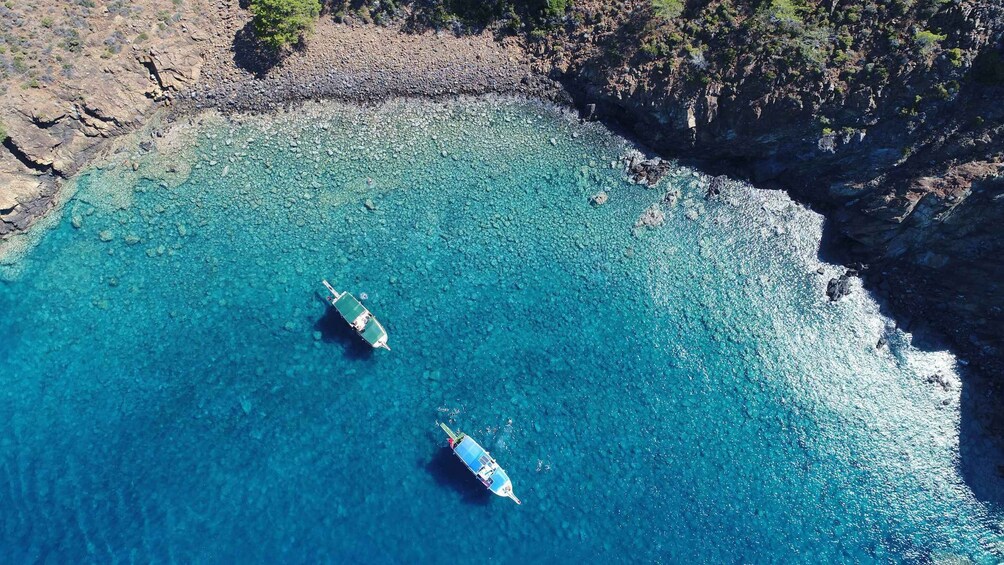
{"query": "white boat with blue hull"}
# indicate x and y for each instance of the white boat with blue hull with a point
(481, 463)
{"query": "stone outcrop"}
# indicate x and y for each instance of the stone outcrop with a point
(646, 172)
(109, 87)
(903, 154)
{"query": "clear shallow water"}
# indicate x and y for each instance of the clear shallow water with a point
(684, 394)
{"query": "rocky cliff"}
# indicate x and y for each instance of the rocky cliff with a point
(885, 115)
(74, 76)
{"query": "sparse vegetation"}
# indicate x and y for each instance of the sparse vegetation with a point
(667, 9)
(954, 56)
(535, 17)
(280, 23)
(927, 41)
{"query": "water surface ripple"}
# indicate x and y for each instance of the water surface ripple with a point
(174, 390)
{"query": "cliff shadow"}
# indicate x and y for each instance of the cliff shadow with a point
(334, 329)
(981, 423)
(981, 438)
(448, 471)
(251, 55)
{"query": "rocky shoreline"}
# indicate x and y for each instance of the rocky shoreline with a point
(368, 87)
(55, 132)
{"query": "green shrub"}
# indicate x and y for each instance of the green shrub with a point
(928, 41)
(954, 56)
(786, 13)
(556, 7)
(72, 43)
(3, 133)
(845, 39)
(279, 23)
(667, 9)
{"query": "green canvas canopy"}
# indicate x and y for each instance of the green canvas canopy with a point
(349, 307)
(372, 332)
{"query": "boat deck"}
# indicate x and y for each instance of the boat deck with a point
(348, 307)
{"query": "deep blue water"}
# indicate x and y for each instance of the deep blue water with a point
(682, 394)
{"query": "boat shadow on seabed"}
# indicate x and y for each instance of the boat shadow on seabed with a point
(334, 330)
(448, 471)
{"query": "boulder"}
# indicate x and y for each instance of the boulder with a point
(174, 69)
(838, 287)
(646, 172)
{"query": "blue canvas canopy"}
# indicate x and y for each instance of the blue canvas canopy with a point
(471, 453)
(480, 463)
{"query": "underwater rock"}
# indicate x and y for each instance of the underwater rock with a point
(671, 197)
(599, 199)
(105, 236)
(369, 204)
(941, 380)
(715, 187)
(652, 217)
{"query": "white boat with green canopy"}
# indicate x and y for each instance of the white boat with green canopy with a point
(358, 316)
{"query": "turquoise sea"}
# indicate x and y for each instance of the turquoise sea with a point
(174, 390)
